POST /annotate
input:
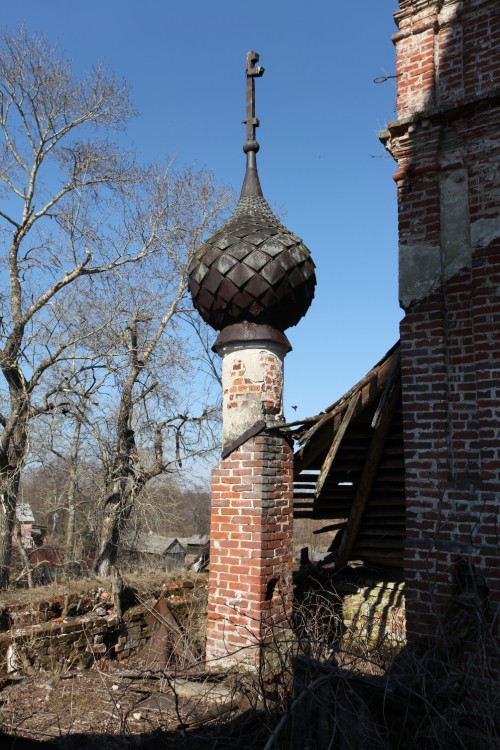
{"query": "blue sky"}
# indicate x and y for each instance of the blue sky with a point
(320, 160)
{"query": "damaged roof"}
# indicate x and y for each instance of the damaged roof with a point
(152, 544)
(350, 468)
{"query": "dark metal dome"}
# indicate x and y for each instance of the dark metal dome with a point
(253, 269)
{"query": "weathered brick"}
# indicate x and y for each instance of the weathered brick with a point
(447, 60)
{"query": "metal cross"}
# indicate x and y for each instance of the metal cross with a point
(252, 72)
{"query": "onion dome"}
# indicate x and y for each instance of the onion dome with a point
(253, 269)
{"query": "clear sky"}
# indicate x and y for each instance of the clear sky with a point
(320, 160)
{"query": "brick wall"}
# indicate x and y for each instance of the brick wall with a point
(251, 549)
(373, 614)
(36, 636)
(447, 146)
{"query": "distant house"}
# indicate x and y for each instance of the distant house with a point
(47, 559)
(26, 521)
(146, 549)
(196, 544)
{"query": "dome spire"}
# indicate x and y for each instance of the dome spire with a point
(253, 270)
(251, 183)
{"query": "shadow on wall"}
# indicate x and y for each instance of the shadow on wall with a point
(446, 143)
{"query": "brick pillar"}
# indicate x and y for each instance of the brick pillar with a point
(252, 511)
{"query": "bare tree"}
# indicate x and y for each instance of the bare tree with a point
(68, 215)
(148, 339)
(76, 389)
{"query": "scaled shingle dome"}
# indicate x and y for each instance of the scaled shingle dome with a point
(253, 269)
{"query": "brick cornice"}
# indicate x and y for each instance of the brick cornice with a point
(441, 115)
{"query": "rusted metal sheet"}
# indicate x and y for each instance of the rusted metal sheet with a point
(252, 431)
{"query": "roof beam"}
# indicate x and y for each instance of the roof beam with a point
(330, 456)
(368, 476)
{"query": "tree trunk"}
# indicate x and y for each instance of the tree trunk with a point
(13, 449)
(23, 554)
(128, 477)
(119, 502)
(7, 519)
(70, 565)
(116, 512)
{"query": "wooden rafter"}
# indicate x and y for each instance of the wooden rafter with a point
(368, 475)
(330, 456)
(314, 436)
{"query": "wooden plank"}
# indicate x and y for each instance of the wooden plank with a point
(373, 383)
(330, 527)
(330, 456)
(394, 376)
(332, 491)
(307, 457)
(382, 530)
(368, 477)
(310, 450)
(397, 561)
(324, 419)
(327, 514)
(332, 501)
(319, 516)
(344, 507)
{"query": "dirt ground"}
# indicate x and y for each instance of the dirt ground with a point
(117, 704)
(117, 707)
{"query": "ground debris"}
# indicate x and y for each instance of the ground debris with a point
(116, 704)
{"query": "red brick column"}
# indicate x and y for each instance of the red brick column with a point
(252, 511)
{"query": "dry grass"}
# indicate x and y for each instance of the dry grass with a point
(329, 691)
(149, 585)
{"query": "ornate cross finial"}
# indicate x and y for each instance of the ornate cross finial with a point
(252, 122)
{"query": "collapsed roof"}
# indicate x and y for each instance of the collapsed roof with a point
(350, 468)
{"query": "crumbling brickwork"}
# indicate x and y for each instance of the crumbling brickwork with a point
(447, 146)
(36, 636)
(253, 388)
